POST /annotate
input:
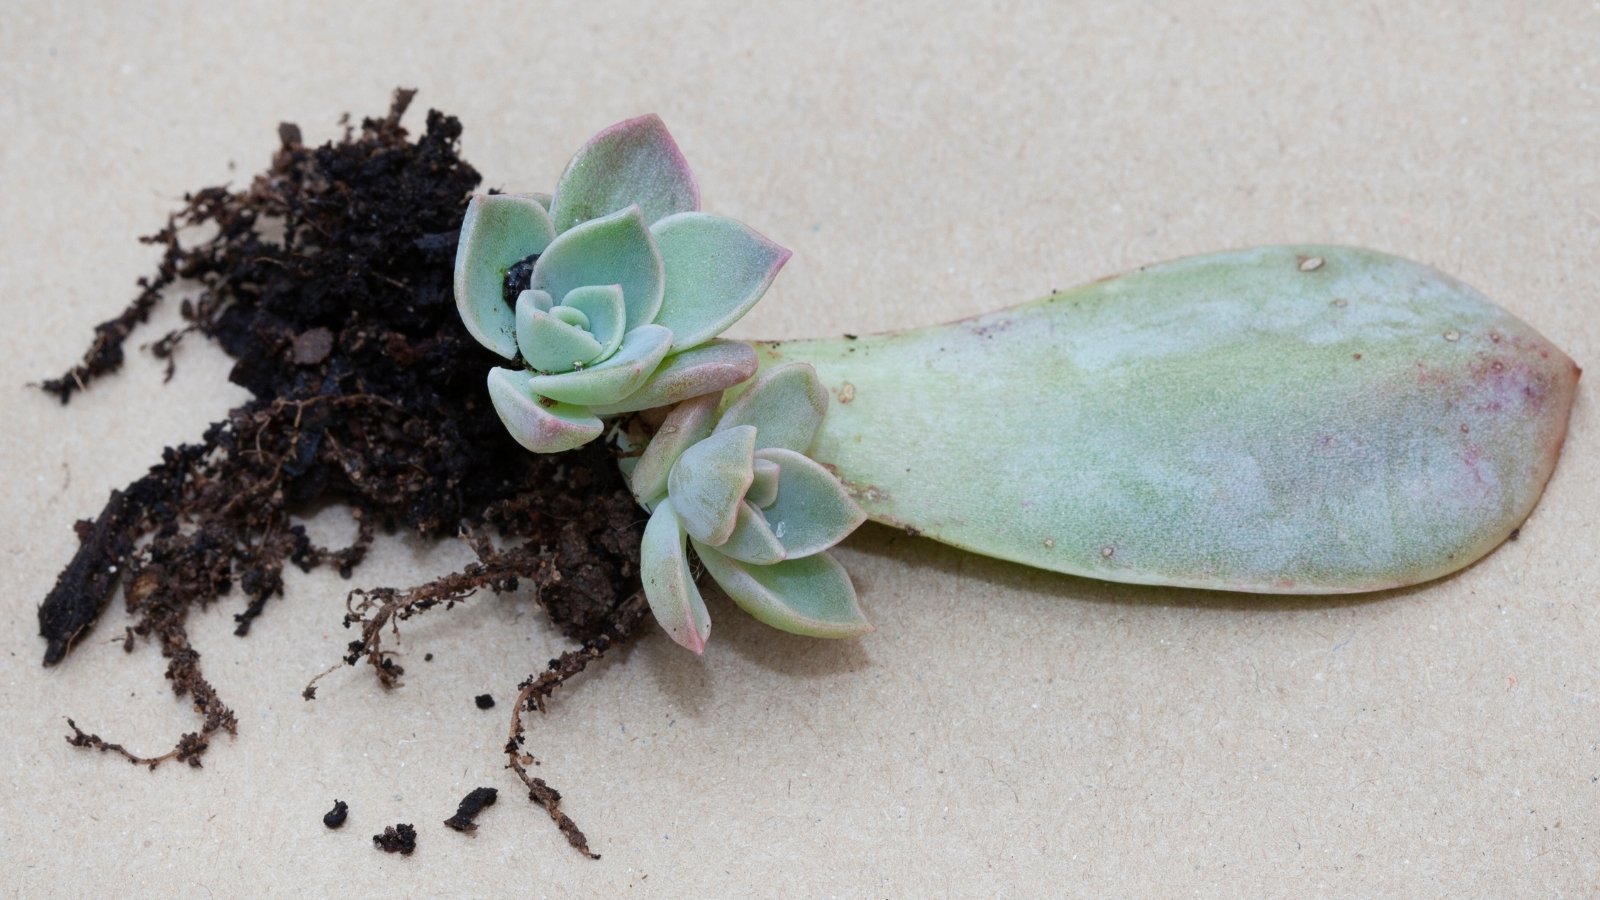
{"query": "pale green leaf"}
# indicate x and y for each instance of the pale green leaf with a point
(539, 424)
(632, 162)
(668, 584)
(708, 482)
(812, 596)
(612, 379)
(786, 403)
(689, 422)
(617, 249)
(708, 368)
(811, 512)
(498, 231)
(716, 269)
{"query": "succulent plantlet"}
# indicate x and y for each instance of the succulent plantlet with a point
(1285, 419)
(760, 514)
(611, 292)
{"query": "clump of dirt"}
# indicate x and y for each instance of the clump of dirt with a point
(401, 839)
(328, 280)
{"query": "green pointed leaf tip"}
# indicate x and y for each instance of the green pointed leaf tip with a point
(1306, 419)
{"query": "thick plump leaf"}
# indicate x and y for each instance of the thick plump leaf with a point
(601, 305)
(786, 404)
(764, 487)
(706, 369)
(538, 424)
(752, 539)
(668, 584)
(498, 231)
(612, 379)
(632, 162)
(617, 249)
(1286, 419)
(716, 270)
(689, 422)
(811, 511)
(548, 343)
(812, 596)
(708, 482)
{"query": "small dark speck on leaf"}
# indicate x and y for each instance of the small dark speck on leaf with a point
(1515, 533)
(427, 657)
(850, 337)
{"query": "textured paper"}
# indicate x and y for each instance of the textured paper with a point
(1004, 732)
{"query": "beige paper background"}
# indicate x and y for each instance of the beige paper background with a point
(1005, 732)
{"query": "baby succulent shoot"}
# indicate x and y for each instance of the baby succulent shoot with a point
(759, 512)
(610, 293)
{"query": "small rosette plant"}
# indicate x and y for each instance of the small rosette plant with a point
(759, 513)
(611, 292)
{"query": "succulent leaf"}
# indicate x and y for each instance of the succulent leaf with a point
(498, 231)
(785, 403)
(764, 486)
(705, 369)
(689, 422)
(811, 511)
(812, 596)
(1303, 419)
(548, 342)
(708, 482)
(716, 269)
(616, 249)
(541, 425)
(602, 307)
(752, 539)
(668, 584)
(611, 379)
(632, 162)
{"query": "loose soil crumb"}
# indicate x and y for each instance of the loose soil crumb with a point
(335, 817)
(469, 807)
(401, 839)
(328, 280)
(484, 701)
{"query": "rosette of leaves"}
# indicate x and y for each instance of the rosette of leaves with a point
(611, 292)
(740, 489)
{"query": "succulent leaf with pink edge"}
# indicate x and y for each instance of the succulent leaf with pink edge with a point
(759, 513)
(610, 293)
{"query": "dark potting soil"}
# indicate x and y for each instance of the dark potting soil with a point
(328, 281)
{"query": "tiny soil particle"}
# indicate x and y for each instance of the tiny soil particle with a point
(427, 657)
(1355, 356)
(847, 392)
(1452, 336)
(484, 701)
(401, 839)
(1310, 263)
(1341, 303)
(1049, 543)
(1107, 551)
(335, 817)
(469, 807)
(1515, 533)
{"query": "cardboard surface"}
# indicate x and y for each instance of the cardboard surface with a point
(1005, 731)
